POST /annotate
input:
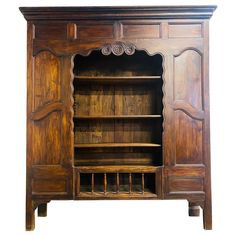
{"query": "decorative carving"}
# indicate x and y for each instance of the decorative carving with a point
(189, 110)
(129, 49)
(44, 111)
(118, 49)
(106, 50)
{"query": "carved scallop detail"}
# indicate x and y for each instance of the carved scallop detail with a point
(118, 49)
(129, 49)
(106, 50)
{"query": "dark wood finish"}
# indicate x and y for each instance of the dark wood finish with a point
(118, 117)
(113, 145)
(118, 105)
(42, 210)
(114, 13)
(193, 209)
(115, 79)
(119, 169)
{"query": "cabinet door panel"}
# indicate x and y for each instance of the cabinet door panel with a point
(188, 108)
(49, 124)
(187, 126)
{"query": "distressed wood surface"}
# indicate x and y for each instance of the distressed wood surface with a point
(118, 101)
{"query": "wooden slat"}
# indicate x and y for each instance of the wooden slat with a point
(105, 182)
(111, 145)
(78, 183)
(116, 79)
(99, 195)
(143, 183)
(92, 183)
(117, 183)
(89, 77)
(118, 117)
(117, 169)
(130, 182)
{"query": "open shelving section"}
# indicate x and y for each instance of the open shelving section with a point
(117, 125)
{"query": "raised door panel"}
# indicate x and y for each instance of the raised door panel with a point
(47, 140)
(50, 126)
(95, 31)
(47, 80)
(188, 79)
(139, 30)
(50, 31)
(189, 139)
(185, 30)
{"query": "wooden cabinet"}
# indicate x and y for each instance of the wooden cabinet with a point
(118, 105)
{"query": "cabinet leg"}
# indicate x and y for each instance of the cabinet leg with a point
(42, 210)
(30, 216)
(207, 217)
(193, 209)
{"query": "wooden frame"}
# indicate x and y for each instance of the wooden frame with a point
(103, 128)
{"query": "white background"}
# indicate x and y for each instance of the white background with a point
(116, 217)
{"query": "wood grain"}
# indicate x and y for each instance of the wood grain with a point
(118, 105)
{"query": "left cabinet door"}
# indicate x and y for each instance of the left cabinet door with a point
(49, 126)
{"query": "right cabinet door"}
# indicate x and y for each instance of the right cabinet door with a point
(188, 134)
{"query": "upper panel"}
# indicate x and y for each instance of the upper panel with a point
(102, 13)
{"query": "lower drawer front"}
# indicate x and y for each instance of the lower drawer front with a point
(180, 184)
(54, 182)
(117, 185)
(185, 182)
(47, 186)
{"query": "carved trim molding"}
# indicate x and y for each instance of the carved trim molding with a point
(118, 49)
(189, 110)
(46, 110)
(118, 13)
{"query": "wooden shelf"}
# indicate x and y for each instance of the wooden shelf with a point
(118, 169)
(101, 195)
(114, 145)
(118, 117)
(83, 78)
(118, 77)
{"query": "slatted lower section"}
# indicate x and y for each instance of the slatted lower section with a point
(117, 183)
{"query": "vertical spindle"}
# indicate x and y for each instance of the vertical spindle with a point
(117, 183)
(79, 183)
(105, 182)
(92, 182)
(130, 182)
(142, 183)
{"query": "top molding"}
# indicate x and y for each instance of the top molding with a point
(116, 13)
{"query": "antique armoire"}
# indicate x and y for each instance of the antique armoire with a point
(118, 105)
